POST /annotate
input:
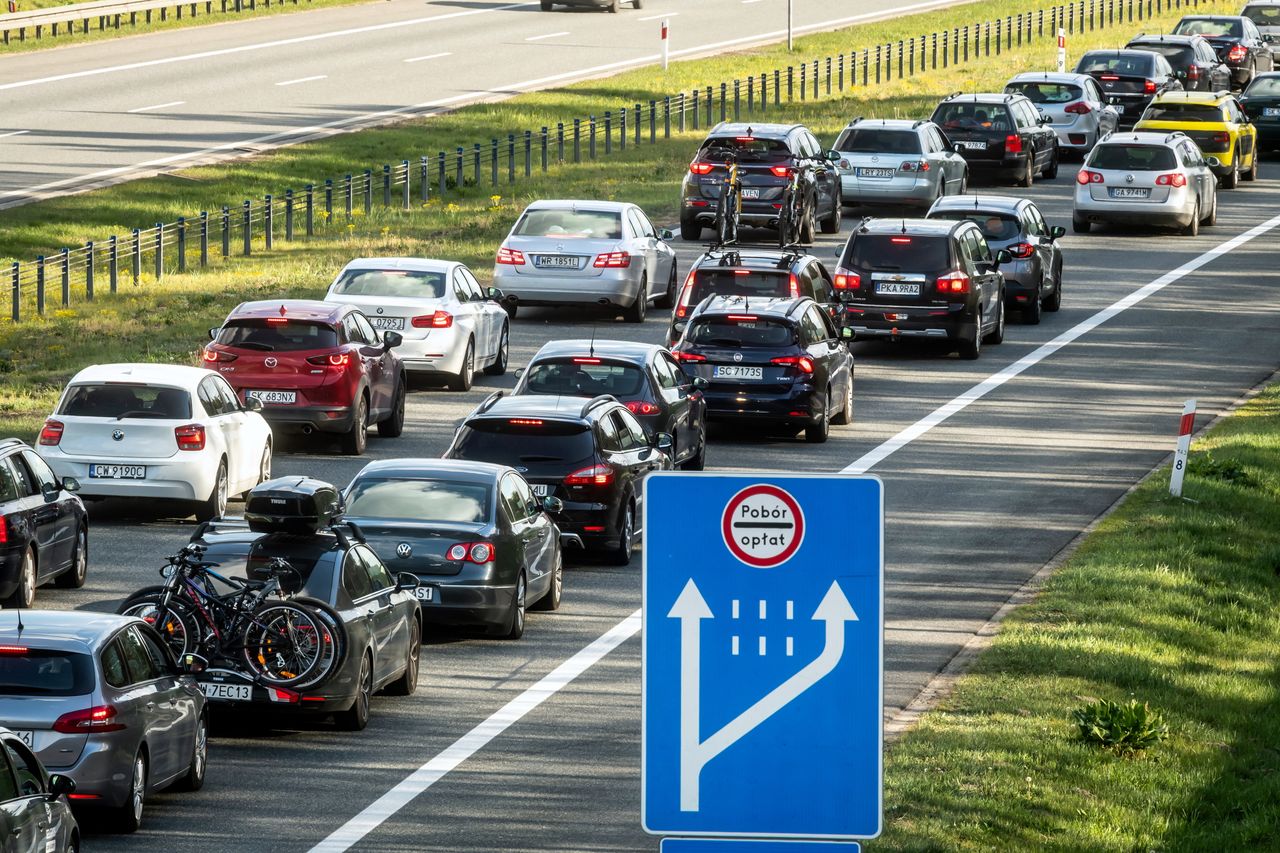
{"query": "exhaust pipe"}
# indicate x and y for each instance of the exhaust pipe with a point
(307, 429)
(603, 301)
(571, 540)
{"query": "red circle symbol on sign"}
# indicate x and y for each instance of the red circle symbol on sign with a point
(763, 526)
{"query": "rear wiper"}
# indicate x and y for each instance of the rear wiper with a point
(255, 345)
(139, 413)
(537, 458)
(722, 342)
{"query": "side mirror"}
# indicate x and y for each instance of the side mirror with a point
(832, 155)
(1044, 119)
(1212, 161)
(192, 663)
(1002, 257)
(519, 372)
(663, 441)
(213, 333)
(70, 484)
(846, 334)
(407, 580)
(1056, 232)
(392, 339)
(666, 234)
(60, 786)
(494, 294)
(700, 383)
(552, 505)
(253, 404)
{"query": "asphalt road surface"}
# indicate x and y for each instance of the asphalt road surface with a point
(109, 111)
(975, 505)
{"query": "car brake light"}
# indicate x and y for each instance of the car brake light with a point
(4, 540)
(525, 421)
(211, 356)
(100, 718)
(793, 285)
(1021, 250)
(583, 360)
(1193, 73)
(953, 282)
(745, 138)
(687, 356)
(471, 552)
(1109, 77)
(900, 240)
(51, 433)
(847, 279)
(612, 260)
(686, 292)
(780, 171)
(1173, 179)
(742, 318)
(914, 166)
(594, 475)
(641, 407)
(277, 321)
(190, 437)
(803, 362)
(701, 168)
(1221, 138)
(438, 320)
(1149, 87)
(1013, 144)
(512, 257)
(1079, 108)
(1237, 53)
(333, 359)
(13, 650)
(1084, 176)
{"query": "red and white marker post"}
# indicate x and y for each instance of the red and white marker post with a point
(1062, 50)
(666, 42)
(1185, 428)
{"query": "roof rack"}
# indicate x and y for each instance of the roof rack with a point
(955, 94)
(917, 123)
(220, 525)
(730, 258)
(855, 121)
(487, 403)
(1173, 135)
(596, 401)
(356, 532)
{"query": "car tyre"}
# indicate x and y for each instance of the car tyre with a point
(964, 182)
(407, 683)
(1231, 180)
(668, 298)
(519, 606)
(551, 601)
(844, 417)
(264, 467)
(621, 555)
(193, 779)
(215, 506)
(971, 347)
(466, 373)
(1028, 176)
(25, 594)
(1051, 170)
(357, 438)
(499, 365)
(355, 718)
(1080, 225)
(546, 5)
(74, 577)
(128, 817)
(690, 230)
(809, 225)
(1053, 301)
(1212, 218)
(831, 224)
(613, 6)
(1252, 174)
(637, 4)
(817, 433)
(638, 309)
(698, 461)
(1031, 313)
(393, 424)
(996, 335)
(1192, 228)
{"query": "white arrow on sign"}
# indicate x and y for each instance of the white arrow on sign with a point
(691, 608)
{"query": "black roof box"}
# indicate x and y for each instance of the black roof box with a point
(292, 505)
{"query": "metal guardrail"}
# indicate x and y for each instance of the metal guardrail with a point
(62, 21)
(240, 230)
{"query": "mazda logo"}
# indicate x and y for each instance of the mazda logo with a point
(117, 435)
(737, 356)
(404, 550)
(270, 361)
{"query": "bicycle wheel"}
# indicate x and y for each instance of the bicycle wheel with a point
(289, 645)
(177, 625)
(722, 215)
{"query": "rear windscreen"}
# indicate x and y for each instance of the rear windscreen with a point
(406, 283)
(993, 117)
(872, 140)
(1263, 16)
(41, 672)
(1046, 93)
(116, 400)
(730, 282)
(249, 560)
(741, 332)
(1179, 56)
(419, 500)
(585, 377)
(1135, 158)
(1183, 112)
(1264, 87)
(1209, 27)
(582, 224)
(995, 226)
(270, 335)
(523, 440)
(746, 149)
(1134, 64)
(897, 252)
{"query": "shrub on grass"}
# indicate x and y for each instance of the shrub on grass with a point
(1228, 470)
(1123, 728)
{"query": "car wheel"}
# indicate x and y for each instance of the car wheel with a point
(355, 718)
(831, 223)
(407, 683)
(1051, 171)
(817, 433)
(74, 577)
(546, 5)
(637, 4)
(668, 298)
(809, 225)
(964, 182)
(467, 373)
(499, 365)
(264, 467)
(355, 440)
(1212, 218)
(690, 230)
(128, 817)
(519, 604)
(1079, 225)
(621, 555)
(512, 308)
(1192, 228)
(25, 594)
(844, 417)
(1252, 174)
(1031, 312)
(971, 347)
(996, 336)
(1054, 300)
(638, 309)
(1231, 180)
(551, 601)
(698, 461)
(613, 5)
(1028, 176)
(193, 779)
(216, 504)
(393, 424)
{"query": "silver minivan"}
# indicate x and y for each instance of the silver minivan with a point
(99, 699)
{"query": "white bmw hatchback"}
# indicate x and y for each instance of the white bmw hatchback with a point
(159, 432)
(450, 326)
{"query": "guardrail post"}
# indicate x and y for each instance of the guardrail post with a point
(349, 192)
(764, 92)
(791, 74)
(204, 239)
(66, 277)
(653, 122)
(777, 87)
(113, 263)
(666, 117)
(911, 58)
(88, 270)
(182, 244)
(528, 153)
(639, 120)
(694, 103)
(877, 65)
(248, 227)
(288, 216)
(591, 137)
(511, 158)
(710, 99)
(310, 215)
(441, 183)
(386, 184)
(159, 248)
(608, 131)
(136, 257)
(998, 37)
(15, 293)
(226, 232)
(559, 142)
(424, 180)
(577, 140)
(368, 191)
(40, 285)
(828, 74)
(268, 221)
(622, 129)
(546, 140)
(493, 163)
(737, 100)
(407, 191)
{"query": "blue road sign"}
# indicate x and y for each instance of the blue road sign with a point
(742, 845)
(763, 656)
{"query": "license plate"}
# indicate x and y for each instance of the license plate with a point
(1118, 107)
(425, 593)
(29, 738)
(733, 371)
(875, 173)
(229, 692)
(99, 471)
(1129, 192)
(274, 398)
(395, 324)
(897, 288)
(973, 146)
(566, 262)
(1270, 112)
(540, 490)
(750, 193)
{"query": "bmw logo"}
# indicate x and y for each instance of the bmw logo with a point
(270, 361)
(737, 356)
(379, 310)
(404, 550)
(117, 435)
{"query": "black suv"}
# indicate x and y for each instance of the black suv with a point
(1237, 41)
(766, 155)
(1192, 58)
(763, 273)
(591, 454)
(1129, 79)
(1004, 133)
(44, 530)
(643, 377)
(924, 278)
(778, 362)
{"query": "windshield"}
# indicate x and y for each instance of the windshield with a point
(1263, 16)
(1174, 111)
(1130, 64)
(1211, 27)
(741, 332)
(897, 252)
(118, 400)
(585, 377)
(1047, 93)
(994, 226)
(406, 283)
(40, 672)
(993, 117)
(270, 335)
(1179, 55)
(519, 441)
(419, 500)
(731, 282)
(873, 140)
(1264, 87)
(249, 560)
(746, 149)
(1135, 158)
(583, 224)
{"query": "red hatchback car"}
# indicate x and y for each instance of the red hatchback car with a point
(316, 367)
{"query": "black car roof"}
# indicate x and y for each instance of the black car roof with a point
(455, 469)
(1002, 203)
(622, 350)
(982, 97)
(779, 308)
(537, 406)
(763, 130)
(1164, 38)
(921, 227)
(234, 531)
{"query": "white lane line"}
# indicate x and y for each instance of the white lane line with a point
(428, 56)
(749, 2)
(658, 17)
(157, 107)
(302, 80)
(476, 739)
(546, 36)
(13, 133)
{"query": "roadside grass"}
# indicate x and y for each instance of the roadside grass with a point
(167, 321)
(1170, 602)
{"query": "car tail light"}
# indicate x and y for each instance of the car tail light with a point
(641, 407)
(1193, 73)
(1149, 87)
(612, 260)
(1021, 250)
(190, 437)
(1237, 53)
(280, 694)
(51, 433)
(1084, 176)
(584, 360)
(438, 320)
(701, 168)
(1221, 138)
(953, 283)
(13, 650)
(471, 552)
(333, 359)
(1079, 108)
(100, 718)
(1109, 77)
(803, 362)
(780, 171)
(687, 356)
(525, 421)
(793, 285)
(4, 540)
(1173, 179)
(1013, 144)
(213, 356)
(595, 475)
(900, 240)
(686, 293)
(742, 318)
(914, 166)
(511, 257)
(847, 279)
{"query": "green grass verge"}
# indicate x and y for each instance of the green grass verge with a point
(166, 321)
(1174, 603)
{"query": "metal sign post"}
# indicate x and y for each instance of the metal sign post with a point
(666, 42)
(1185, 427)
(1062, 50)
(790, 18)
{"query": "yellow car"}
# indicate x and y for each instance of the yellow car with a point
(1216, 122)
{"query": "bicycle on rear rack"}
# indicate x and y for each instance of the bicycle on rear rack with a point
(729, 205)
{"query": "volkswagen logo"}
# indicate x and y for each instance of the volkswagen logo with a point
(117, 435)
(1128, 179)
(875, 159)
(270, 361)
(737, 356)
(404, 550)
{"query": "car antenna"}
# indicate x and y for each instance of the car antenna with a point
(904, 226)
(591, 348)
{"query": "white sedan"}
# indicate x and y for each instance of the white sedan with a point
(159, 432)
(451, 327)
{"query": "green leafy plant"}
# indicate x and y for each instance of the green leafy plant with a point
(1228, 470)
(1123, 728)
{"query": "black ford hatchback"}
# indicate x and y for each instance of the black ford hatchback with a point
(44, 530)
